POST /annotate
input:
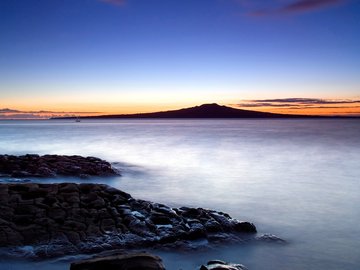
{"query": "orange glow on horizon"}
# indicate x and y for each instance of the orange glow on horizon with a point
(350, 111)
(91, 110)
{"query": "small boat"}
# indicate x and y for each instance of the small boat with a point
(77, 119)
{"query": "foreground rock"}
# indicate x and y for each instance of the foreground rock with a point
(67, 218)
(54, 165)
(140, 261)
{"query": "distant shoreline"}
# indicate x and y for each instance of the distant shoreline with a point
(182, 118)
(205, 111)
(198, 118)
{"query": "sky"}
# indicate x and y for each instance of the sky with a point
(87, 57)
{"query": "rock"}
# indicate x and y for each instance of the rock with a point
(141, 261)
(221, 265)
(216, 262)
(213, 226)
(271, 238)
(57, 214)
(160, 218)
(244, 226)
(87, 218)
(54, 165)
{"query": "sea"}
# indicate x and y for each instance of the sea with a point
(298, 179)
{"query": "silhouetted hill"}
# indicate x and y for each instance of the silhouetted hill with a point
(203, 111)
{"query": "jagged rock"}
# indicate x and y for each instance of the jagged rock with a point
(54, 165)
(75, 218)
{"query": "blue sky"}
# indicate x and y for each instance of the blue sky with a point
(142, 55)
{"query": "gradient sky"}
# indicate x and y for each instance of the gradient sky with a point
(113, 56)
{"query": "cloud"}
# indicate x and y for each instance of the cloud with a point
(268, 7)
(264, 104)
(297, 6)
(285, 104)
(305, 101)
(323, 107)
(308, 5)
(114, 2)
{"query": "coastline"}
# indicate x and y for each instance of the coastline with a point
(41, 221)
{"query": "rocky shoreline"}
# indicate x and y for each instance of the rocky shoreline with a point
(142, 261)
(32, 165)
(67, 218)
(41, 221)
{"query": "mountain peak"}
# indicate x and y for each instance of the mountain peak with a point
(210, 105)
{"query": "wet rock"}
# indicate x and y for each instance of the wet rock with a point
(84, 218)
(244, 227)
(160, 218)
(221, 265)
(57, 214)
(141, 261)
(271, 238)
(213, 226)
(54, 165)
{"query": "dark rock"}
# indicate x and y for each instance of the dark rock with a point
(54, 165)
(191, 212)
(271, 238)
(49, 201)
(213, 226)
(221, 265)
(57, 214)
(68, 188)
(84, 218)
(216, 262)
(196, 234)
(33, 194)
(141, 261)
(45, 171)
(246, 227)
(108, 225)
(159, 218)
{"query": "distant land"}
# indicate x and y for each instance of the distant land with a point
(212, 110)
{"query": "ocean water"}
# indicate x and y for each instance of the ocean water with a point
(297, 179)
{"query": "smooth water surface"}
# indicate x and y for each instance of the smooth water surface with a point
(298, 179)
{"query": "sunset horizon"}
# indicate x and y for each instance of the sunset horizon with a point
(133, 56)
(179, 134)
(291, 106)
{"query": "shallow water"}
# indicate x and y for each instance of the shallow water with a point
(298, 179)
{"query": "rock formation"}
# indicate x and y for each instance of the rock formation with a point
(142, 261)
(138, 261)
(54, 165)
(68, 218)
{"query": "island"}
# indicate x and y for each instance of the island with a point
(211, 110)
